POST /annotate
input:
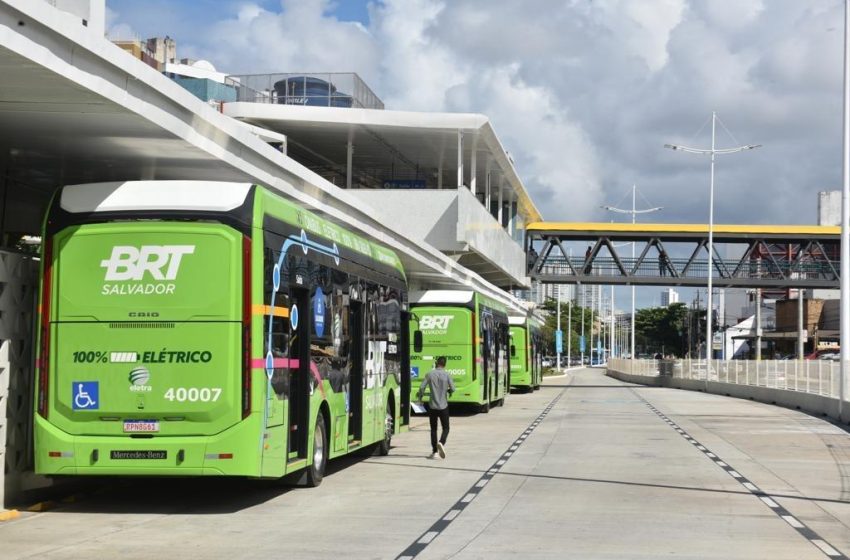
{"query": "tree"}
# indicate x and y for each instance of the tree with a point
(573, 330)
(663, 329)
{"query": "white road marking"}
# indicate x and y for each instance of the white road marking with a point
(769, 502)
(451, 514)
(828, 550)
(428, 537)
(792, 521)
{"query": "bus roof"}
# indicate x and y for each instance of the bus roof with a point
(442, 296)
(208, 196)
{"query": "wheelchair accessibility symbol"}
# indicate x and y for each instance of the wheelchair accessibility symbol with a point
(85, 395)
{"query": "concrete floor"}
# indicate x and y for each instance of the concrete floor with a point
(600, 476)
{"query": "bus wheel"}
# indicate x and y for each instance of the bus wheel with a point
(316, 471)
(485, 408)
(389, 428)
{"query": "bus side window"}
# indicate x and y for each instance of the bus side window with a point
(275, 324)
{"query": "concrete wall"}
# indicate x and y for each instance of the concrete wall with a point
(813, 404)
(452, 220)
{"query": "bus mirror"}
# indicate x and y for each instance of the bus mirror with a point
(417, 341)
(513, 350)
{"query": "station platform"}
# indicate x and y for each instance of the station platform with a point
(587, 467)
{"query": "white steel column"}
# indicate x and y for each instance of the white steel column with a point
(349, 159)
(758, 324)
(459, 158)
(845, 222)
(473, 168)
(487, 188)
(801, 300)
(557, 350)
(511, 213)
(612, 321)
(500, 214)
(569, 330)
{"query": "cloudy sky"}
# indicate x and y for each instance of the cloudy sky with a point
(583, 93)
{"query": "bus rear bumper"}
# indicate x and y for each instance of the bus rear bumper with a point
(234, 452)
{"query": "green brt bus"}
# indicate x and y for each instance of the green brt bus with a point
(526, 357)
(471, 330)
(206, 328)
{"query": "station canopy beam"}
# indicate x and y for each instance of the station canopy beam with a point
(745, 256)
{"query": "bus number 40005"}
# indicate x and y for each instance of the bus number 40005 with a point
(192, 394)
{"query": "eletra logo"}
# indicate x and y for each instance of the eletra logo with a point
(139, 378)
(162, 262)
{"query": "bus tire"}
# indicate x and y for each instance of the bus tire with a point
(389, 428)
(484, 408)
(316, 470)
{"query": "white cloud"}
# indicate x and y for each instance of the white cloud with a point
(584, 93)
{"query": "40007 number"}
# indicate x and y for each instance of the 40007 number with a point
(192, 394)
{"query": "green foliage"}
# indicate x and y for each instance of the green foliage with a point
(663, 329)
(574, 328)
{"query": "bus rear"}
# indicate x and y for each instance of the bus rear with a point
(520, 359)
(446, 331)
(141, 363)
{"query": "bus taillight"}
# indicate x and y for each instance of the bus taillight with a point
(246, 326)
(44, 346)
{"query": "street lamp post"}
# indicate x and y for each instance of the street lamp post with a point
(569, 333)
(558, 350)
(714, 152)
(634, 212)
(845, 220)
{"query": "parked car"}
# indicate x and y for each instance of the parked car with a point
(547, 361)
(829, 354)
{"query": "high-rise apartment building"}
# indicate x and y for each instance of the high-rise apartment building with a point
(669, 296)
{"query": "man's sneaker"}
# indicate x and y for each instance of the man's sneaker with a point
(432, 455)
(441, 450)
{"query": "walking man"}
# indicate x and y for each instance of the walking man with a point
(441, 386)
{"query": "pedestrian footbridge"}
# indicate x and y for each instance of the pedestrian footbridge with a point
(753, 256)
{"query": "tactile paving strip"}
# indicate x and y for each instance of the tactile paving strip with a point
(774, 506)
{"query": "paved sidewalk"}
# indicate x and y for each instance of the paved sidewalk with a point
(606, 473)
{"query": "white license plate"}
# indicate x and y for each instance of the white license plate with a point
(141, 426)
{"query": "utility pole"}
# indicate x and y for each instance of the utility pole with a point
(634, 212)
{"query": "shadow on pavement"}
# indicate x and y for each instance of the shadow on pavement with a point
(198, 496)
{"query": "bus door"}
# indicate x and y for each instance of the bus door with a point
(486, 334)
(355, 382)
(404, 346)
(299, 372)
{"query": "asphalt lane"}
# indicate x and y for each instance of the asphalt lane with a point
(587, 467)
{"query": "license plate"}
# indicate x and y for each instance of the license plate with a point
(136, 454)
(141, 426)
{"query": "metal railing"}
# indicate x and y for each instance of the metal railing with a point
(817, 377)
(328, 89)
(687, 268)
